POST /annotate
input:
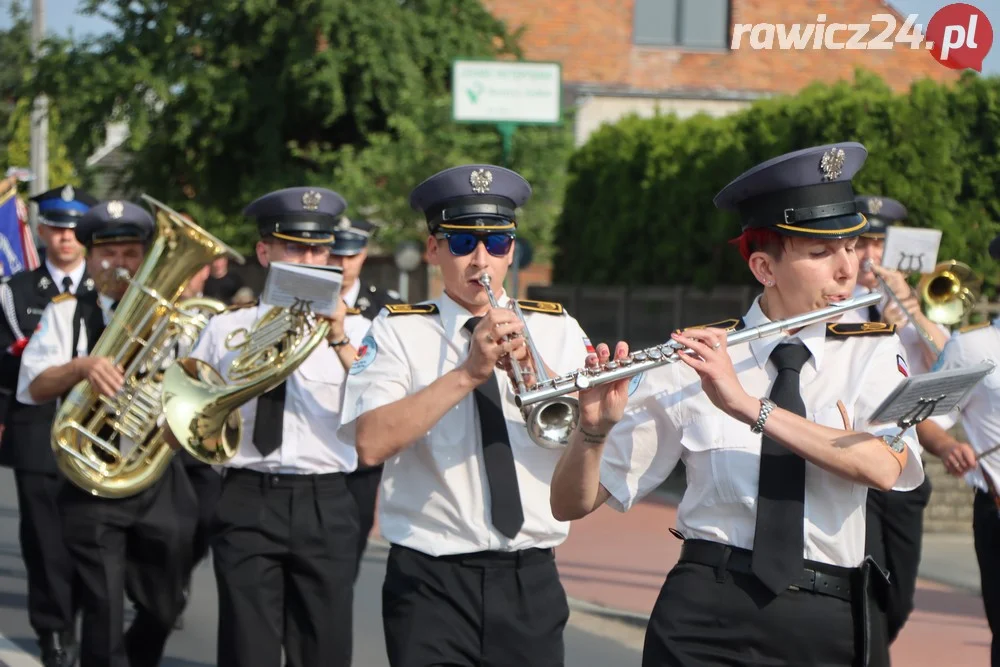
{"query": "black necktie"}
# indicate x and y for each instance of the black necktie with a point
(67, 283)
(873, 314)
(777, 544)
(505, 497)
(268, 423)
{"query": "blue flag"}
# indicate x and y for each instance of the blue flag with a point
(12, 258)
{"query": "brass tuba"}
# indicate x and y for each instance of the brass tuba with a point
(202, 408)
(114, 446)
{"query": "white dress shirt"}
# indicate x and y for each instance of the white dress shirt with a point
(312, 401)
(52, 343)
(350, 297)
(434, 495)
(980, 411)
(76, 275)
(669, 418)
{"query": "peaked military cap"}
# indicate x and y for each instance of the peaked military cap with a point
(63, 206)
(351, 236)
(881, 213)
(115, 221)
(472, 197)
(804, 193)
(995, 247)
(300, 214)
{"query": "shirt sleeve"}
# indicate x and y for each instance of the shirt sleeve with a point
(205, 348)
(573, 349)
(51, 345)
(379, 376)
(887, 367)
(643, 448)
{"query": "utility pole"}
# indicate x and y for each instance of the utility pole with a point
(39, 116)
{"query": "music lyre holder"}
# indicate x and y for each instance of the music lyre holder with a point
(929, 395)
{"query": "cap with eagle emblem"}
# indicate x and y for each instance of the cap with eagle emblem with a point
(115, 221)
(803, 193)
(301, 214)
(351, 236)
(472, 197)
(882, 212)
(63, 206)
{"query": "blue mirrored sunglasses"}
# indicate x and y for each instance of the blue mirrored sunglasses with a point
(463, 243)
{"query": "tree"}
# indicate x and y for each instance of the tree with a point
(229, 99)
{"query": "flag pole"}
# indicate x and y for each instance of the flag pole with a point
(39, 117)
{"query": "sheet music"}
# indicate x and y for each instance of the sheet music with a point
(289, 284)
(911, 249)
(929, 395)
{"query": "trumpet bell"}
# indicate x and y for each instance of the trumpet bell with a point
(949, 292)
(551, 423)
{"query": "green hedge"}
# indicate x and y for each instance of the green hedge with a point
(638, 207)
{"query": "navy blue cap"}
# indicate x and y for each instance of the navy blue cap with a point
(63, 206)
(115, 221)
(482, 197)
(351, 236)
(301, 214)
(881, 213)
(803, 193)
(995, 247)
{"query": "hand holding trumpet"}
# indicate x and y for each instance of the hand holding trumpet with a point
(495, 339)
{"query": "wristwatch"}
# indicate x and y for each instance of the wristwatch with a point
(766, 406)
(341, 343)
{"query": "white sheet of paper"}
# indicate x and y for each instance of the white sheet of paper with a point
(911, 249)
(941, 391)
(288, 283)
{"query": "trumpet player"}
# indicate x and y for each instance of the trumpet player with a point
(895, 519)
(285, 531)
(140, 544)
(775, 438)
(471, 577)
(53, 588)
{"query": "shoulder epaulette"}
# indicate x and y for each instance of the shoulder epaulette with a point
(842, 329)
(411, 308)
(550, 307)
(62, 296)
(353, 311)
(728, 325)
(973, 327)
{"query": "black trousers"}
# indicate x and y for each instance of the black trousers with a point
(207, 486)
(711, 617)
(141, 546)
(284, 551)
(986, 533)
(53, 585)
(894, 531)
(363, 485)
(479, 610)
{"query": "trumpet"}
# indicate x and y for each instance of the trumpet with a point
(550, 425)
(669, 352)
(928, 339)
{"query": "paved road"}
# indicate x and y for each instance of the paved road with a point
(590, 640)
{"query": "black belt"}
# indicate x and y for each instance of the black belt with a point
(488, 559)
(277, 480)
(734, 559)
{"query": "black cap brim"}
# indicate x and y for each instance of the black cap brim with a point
(836, 227)
(348, 247)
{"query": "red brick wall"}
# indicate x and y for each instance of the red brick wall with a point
(593, 41)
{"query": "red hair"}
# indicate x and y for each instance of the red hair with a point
(754, 239)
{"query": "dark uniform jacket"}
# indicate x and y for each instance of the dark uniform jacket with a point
(26, 437)
(371, 300)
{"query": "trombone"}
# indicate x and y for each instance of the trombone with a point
(549, 425)
(640, 361)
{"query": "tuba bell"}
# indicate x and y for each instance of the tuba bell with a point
(949, 292)
(114, 447)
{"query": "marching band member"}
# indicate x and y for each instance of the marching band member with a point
(52, 582)
(140, 544)
(978, 459)
(349, 251)
(284, 539)
(775, 438)
(895, 519)
(471, 577)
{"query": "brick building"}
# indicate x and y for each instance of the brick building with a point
(625, 56)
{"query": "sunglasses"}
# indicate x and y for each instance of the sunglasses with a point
(463, 243)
